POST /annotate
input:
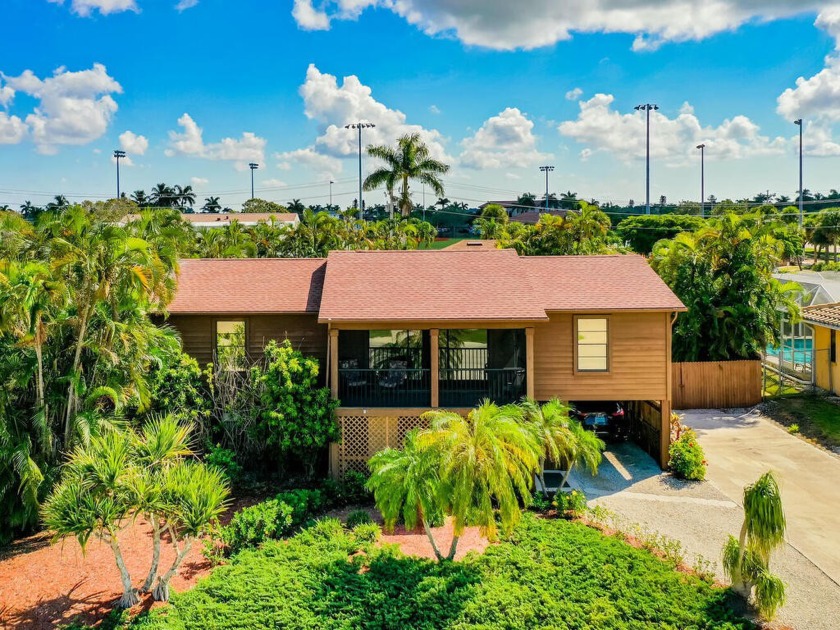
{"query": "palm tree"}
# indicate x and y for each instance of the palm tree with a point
(443, 202)
(550, 423)
(409, 160)
(747, 560)
(185, 196)
(583, 448)
(296, 206)
(139, 197)
(569, 200)
(163, 196)
(486, 461)
(406, 483)
(58, 203)
(525, 202)
(211, 204)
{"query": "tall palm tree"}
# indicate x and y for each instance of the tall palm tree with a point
(409, 160)
(583, 448)
(211, 204)
(58, 203)
(185, 196)
(487, 461)
(296, 206)
(163, 196)
(139, 197)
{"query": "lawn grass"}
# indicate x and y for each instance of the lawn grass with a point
(817, 417)
(549, 574)
(443, 243)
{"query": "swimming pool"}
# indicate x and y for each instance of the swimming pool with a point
(796, 351)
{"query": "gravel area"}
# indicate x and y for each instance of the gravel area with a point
(700, 516)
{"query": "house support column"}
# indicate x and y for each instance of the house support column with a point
(434, 338)
(665, 434)
(333, 376)
(529, 362)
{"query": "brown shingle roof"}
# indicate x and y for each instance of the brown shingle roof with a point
(823, 315)
(267, 285)
(598, 283)
(427, 286)
(532, 217)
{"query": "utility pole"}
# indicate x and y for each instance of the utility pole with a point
(253, 166)
(118, 155)
(331, 183)
(702, 148)
(798, 122)
(647, 107)
(360, 126)
(546, 170)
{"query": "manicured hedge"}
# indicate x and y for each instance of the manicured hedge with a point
(550, 573)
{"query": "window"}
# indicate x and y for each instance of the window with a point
(230, 345)
(462, 349)
(833, 349)
(395, 345)
(592, 344)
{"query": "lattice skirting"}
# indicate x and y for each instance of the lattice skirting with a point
(364, 435)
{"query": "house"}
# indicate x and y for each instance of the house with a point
(399, 332)
(532, 217)
(825, 321)
(206, 220)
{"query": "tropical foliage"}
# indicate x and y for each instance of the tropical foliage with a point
(77, 345)
(746, 560)
(476, 469)
(643, 231)
(549, 573)
(723, 274)
(123, 473)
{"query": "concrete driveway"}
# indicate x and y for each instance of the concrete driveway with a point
(700, 515)
(741, 446)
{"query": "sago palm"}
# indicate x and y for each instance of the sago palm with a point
(487, 463)
(409, 160)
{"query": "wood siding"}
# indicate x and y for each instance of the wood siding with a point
(303, 330)
(639, 361)
(716, 384)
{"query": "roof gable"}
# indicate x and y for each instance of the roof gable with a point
(827, 315)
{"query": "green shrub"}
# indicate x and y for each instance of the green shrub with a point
(298, 417)
(225, 460)
(571, 504)
(305, 504)
(584, 580)
(687, 458)
(540, 503)
(358, 517)
(351, 489)
(794, 428)
(366, 532)
(256, 524)
(178, 386)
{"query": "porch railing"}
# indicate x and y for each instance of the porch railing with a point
(466, 387)
(389, 387)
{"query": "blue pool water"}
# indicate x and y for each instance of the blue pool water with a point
(793, 351)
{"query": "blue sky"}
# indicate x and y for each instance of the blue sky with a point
(193, 91)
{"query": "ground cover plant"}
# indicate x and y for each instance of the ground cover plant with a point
(548, 573)
(817, 418)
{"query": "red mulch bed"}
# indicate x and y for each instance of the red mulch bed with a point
(43, 585)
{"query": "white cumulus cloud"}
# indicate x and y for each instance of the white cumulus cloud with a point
(504, 141)
(198, 182)
(324, 165)
(601, 128)
(506, 25)
(74, 108)
(574, 94)
(333, 106)
(105, 7)
(190, 141)
(183, 5)
(12, 129)
(130, 142)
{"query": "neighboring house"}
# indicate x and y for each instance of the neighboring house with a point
(532, 217)
(204, 220)
(825, 320)
(399, 332)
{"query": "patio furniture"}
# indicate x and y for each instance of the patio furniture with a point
(395, 376)
(351, 375)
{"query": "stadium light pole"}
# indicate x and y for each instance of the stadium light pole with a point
(331, 183)
(360, 126)
(798, 123)
(647, 107)
(546, 169)
(253, 166)
(702, 148)
(118, 155)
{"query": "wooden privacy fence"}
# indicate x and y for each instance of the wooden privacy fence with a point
(714, 384)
